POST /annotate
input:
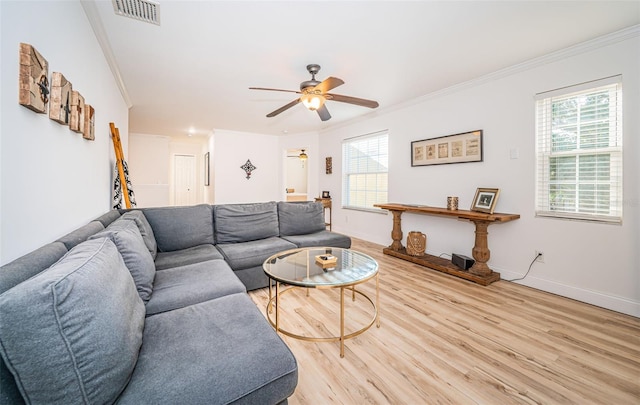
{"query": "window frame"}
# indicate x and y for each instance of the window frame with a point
(588, 206)
(355, 166)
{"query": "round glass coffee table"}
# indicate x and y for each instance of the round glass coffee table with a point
(321, 267)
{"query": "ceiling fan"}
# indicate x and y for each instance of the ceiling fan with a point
(314, 94)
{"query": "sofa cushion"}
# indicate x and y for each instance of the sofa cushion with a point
(108, 217)
(177, 228)
(126, 236)
(72, 333)
(216, 352)
(245, 222)
(81, 234)
(196, 254)
(254, 253)
(322, 238)
(300, 218)
(145, 230)
(27, 266)
(191, 284)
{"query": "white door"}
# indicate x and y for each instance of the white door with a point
(184, 176)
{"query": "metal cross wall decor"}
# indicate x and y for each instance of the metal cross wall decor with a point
(248, 168)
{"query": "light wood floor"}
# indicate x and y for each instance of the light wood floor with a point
(444, 340)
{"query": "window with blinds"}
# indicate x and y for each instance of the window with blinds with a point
(365, 166)
(579, 152)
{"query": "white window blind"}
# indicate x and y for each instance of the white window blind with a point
(365, 163)
(579, 152)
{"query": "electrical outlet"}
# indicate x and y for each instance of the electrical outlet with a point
(540, 256)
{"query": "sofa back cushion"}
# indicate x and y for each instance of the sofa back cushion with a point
(245, 222)
(145, 230)
(81, 234)
(27, 266)
(177, 228)
(126, 236)
(300, 218)
(72, 333)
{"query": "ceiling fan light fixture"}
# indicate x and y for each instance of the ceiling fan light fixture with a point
(303, 156)
(313, 101)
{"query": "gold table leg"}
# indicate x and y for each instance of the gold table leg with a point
(341, 321)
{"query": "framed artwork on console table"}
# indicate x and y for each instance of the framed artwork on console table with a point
(458, 148)
(485, 200)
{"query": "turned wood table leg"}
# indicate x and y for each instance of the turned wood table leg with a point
(481, 251)
(396, 232)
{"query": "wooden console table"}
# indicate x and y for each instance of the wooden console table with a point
(480, 271)
(326, 205)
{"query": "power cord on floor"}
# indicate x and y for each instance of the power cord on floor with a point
(525, 274)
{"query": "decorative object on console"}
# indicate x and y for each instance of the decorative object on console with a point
(416, 243)
(452, 203)
(458, 148)
(76, 123)
(328, 165)
(89, 131)
(325, 194)
(462, 261)
(60, 109)
(248, 167)
(33, 80)
(485, 200)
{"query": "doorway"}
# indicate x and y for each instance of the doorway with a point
(296, 175)
(184, 177)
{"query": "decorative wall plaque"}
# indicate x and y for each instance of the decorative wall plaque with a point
(89, 131)
(248, 167)
(33, 81)
(77, 112)
(60, 109)
(328, 165)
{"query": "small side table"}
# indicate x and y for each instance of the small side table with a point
(326, 204)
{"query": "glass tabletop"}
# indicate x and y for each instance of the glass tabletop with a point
(320, 267)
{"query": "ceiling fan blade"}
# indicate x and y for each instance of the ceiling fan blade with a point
(352, 100)
(324, 113)
(328, 84)
(283, 108)
(268, 89)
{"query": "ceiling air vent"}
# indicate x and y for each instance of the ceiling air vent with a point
(143, 10)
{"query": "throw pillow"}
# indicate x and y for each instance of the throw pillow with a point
(72, 333)
(127, 238)
(145, 230)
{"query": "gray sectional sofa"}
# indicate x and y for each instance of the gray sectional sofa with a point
(150, 306)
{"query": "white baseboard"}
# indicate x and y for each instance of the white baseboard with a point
(614, 303)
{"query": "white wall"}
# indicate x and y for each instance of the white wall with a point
(232, 149)
(591, 262)
(51, 179)
(149, 169)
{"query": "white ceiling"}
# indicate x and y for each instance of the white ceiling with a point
(194, 70)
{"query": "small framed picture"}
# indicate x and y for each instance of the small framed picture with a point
(325, 194)
(485, 200)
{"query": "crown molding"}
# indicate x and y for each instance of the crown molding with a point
(590, 45)
(91, 11)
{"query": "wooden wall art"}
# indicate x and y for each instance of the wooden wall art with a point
(60, 109)
(328, 168)
(34, 79)
(77, 112)
(89, 131)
